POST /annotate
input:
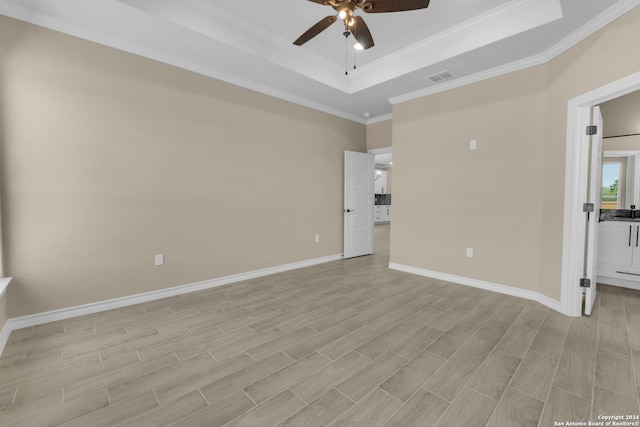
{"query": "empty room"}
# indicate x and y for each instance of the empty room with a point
(319, 213)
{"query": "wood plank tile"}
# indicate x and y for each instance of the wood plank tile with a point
(483, 341)
(371, 376)
(450, 379)
(503, 318)
(534, 375)
(423, 409)
(383, 342)
(574, 374)
(168, 413)
(516, 341)
(276, 345)
(562, 405)
(581, 339)
(549, 341)
(242, 344)
(531, 318)
(170, 374)
(416, 343)
(321, 411)
(314, 342)
(494, 375)
(219, 389)
(615, 372)
(614, 339)
(84, 377)
(406, 381)
(114, 414)
(24, 409)
(286, 377)
(334, 319)
(219, 413)
(347, 343)
(420, 319)
(449, 342)
(191, 381)
(475, 318)
(328, 377)
(606, 402)
(270, 413)
(372, 411)
(470, 409)
(517, 410)
(447, 320)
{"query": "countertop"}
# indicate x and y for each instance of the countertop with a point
(626, 215)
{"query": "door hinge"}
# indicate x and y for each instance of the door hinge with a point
(588, 207)
(585, 283)
(592, 130)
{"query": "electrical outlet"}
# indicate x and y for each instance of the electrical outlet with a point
(159, 260)
(317, 238)
(470, 252)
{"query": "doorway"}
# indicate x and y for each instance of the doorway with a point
(576, 175)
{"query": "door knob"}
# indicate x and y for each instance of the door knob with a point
(350, 210)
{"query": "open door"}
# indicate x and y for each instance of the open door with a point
(358, 203)
(595, 198)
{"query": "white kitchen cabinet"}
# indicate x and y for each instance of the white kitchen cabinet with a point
(619, 253)
(380, 182)
(382, 213)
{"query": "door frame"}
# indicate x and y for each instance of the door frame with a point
(575, 192)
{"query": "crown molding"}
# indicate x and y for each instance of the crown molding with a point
(574, 38)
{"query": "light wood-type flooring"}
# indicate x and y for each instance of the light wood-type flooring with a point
(347, 343)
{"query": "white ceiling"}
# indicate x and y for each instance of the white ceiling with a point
(249, 43)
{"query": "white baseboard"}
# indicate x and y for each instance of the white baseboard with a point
(96, 307)
(494, 287)
(631, 284)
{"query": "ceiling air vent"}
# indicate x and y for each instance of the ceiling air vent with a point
(438, 77)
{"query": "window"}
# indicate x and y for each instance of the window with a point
(611, 185)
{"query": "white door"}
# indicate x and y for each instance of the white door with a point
(358, 203)
(595, 196)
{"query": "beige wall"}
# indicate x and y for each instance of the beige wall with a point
(622, 115)
(109, 159)
(506, 198)
(626, 143)
(379, 135)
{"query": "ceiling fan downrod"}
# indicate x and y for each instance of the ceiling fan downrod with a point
(346, 51)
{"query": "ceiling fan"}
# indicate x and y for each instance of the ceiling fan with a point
(355, 24)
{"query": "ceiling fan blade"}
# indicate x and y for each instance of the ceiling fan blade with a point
(361, 33)
(380, 6)
(319, 1)
(319, 27)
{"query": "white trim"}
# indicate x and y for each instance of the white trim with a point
(489, 286)
(4, 283)
(576, 169)
(6, 331)
(96, 307)
(379, 119)
(630, 284)
(4, 336)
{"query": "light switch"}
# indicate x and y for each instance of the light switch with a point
(473, 144)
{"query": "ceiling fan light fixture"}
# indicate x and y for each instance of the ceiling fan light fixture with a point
(358, 46)
(351, 21)
(342, 14)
